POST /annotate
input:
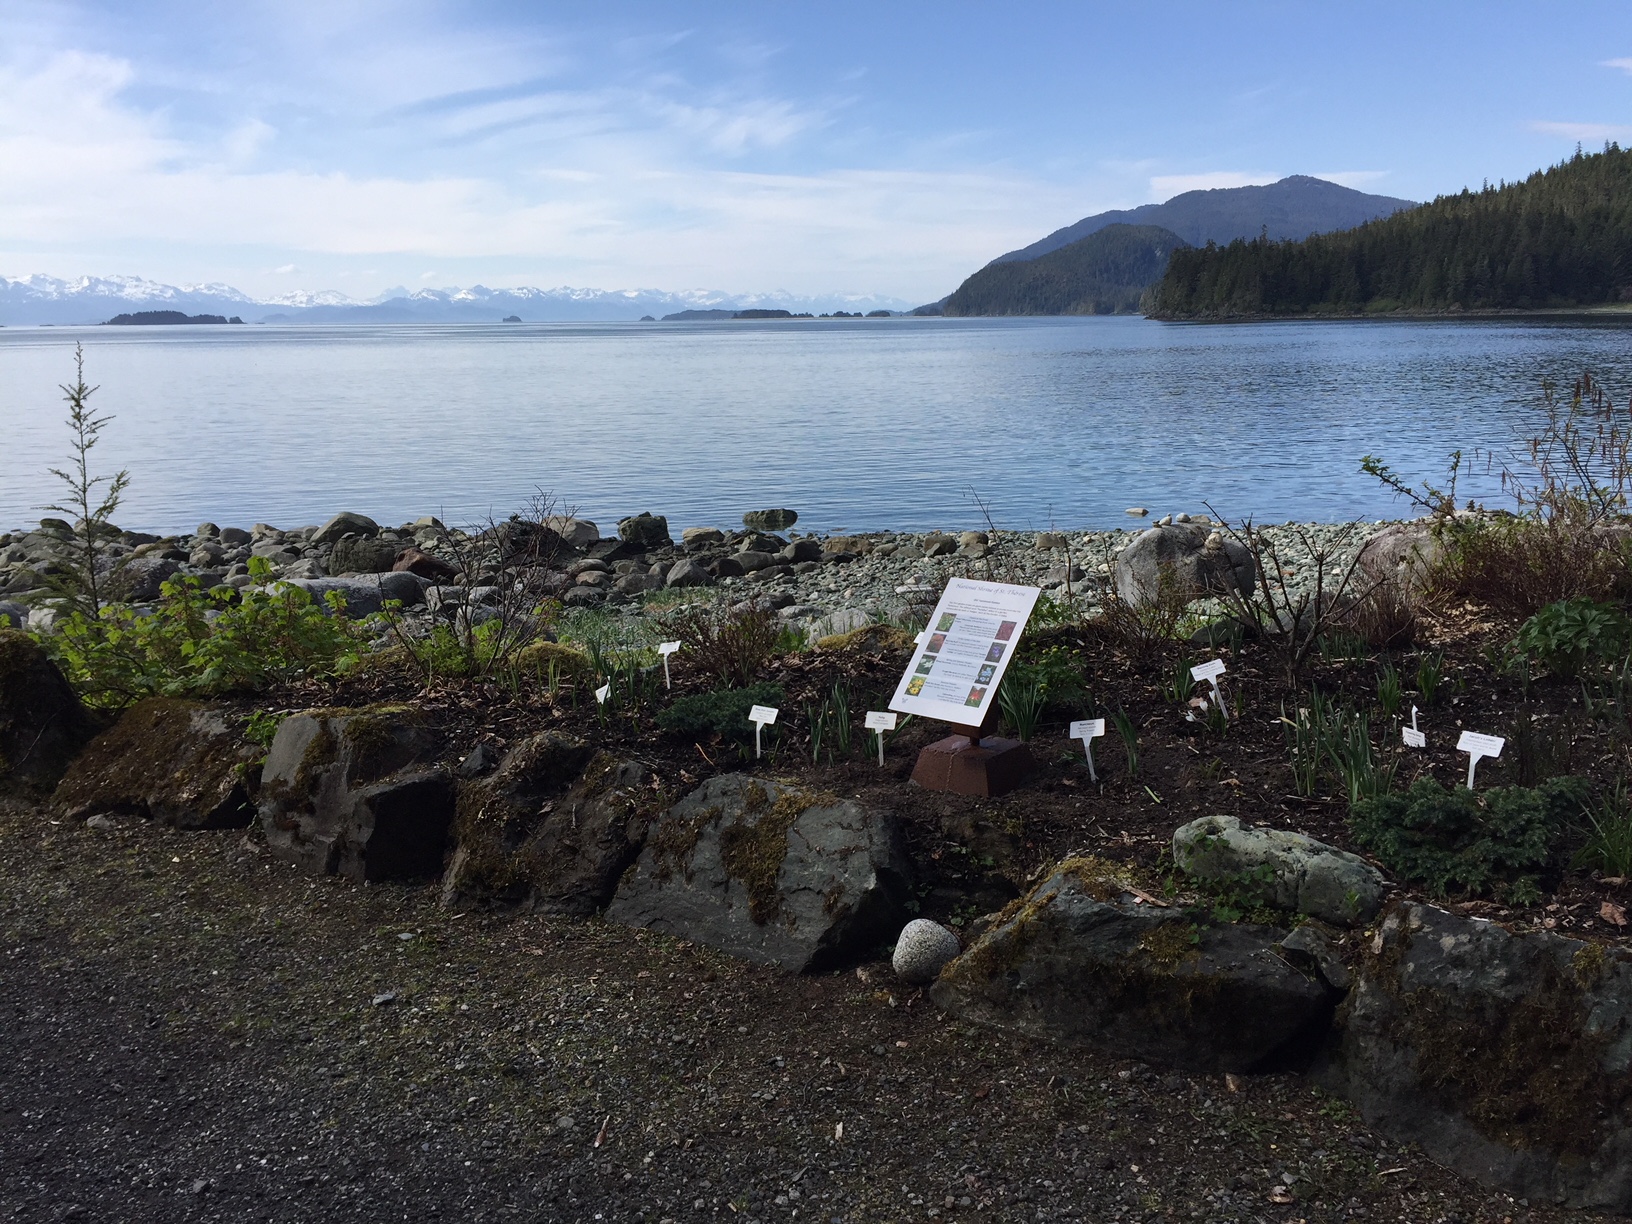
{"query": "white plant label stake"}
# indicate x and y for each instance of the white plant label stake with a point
(761, 717)
(1412, 737)
(1478, 746)
(666, 649)
(880, 721)
(1088, 730)
(602, 693)
(1210, 672)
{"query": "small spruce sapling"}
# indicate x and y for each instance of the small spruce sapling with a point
(90, 503)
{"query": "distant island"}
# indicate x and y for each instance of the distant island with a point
(512, 319)
(157, 318)
(693, 316)
(1562, 238)
(1104, 263)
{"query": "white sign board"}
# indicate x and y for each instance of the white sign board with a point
(1088, 730)
(602, 693)
(955, 670)
(1208, 671)
(666, 649)
(761, 717)
(1411, 735)
(880, 720)
(1478, 747)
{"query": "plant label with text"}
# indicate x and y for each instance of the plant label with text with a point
(1478, 747)
(880, 720)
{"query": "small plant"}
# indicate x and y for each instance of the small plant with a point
(830, 724)
(1457, 843)
(261, 727)
(1430, 673)
(1130, 740)
(1390, 689)
(90, 504)
(1021, 699)
(1566, 635)
(1176, 688)
(1364, 772)
(720, 712)
(730, 644)
(1307, 735)
(1608, 846)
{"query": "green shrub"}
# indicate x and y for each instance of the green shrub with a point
(729, 644)
(1520, 564)
(197, 642)
(1608, 847)
(1459, 843)
(722, 712)
(1564, 636)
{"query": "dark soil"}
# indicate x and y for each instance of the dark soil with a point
(194, 1032)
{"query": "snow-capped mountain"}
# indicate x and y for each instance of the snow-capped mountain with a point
(26, 300)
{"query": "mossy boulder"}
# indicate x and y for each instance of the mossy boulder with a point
(184, 763)
(873, 639)
(42, 723)
(1082, 961)
(552, 829)
(1507, 1056)
(769, 873)
(1283, 869)
(357, 793)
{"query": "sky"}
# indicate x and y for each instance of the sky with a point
(885, 148)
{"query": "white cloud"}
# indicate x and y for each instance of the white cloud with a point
(1624, 64)
(1166, 186)
(1585, 133)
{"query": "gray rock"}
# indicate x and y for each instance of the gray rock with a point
(1051, 540)
(1313, 945)
(1079, 963)
(768, 873)
(357, 794)
(42, 723)
(688, 573)
(1303, 874)
(701, 537)
(578, 533)
(770, 520)
(1402, 554)
(748, 562)
(1198, 560)
(845, 620)
(139, 579)
(645, 531)
(345, 523)
(365, 596)
(937, 545)
(552, 830)
(636, 584)
(363, 555)
(12, 615)
(183, 763)
(234, 537)
(922, 950)
(1507, 1057)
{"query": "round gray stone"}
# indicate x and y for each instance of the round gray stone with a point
(923, 950)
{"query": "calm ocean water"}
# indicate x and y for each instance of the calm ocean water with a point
(884, 424)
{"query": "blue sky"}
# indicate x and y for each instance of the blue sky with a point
(885, 147)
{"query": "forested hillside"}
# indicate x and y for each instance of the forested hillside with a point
(1562, 237)
(1104, 273)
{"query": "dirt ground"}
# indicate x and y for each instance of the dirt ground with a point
(194, 1032)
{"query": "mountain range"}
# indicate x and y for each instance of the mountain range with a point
(33, 300)
(1103, 263)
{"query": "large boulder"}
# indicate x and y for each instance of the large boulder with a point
(42, 724)
(357, 793)
(140, 579)
(769, 873)
(548, 831)
(1287, 870)
(363, 555)
(1081, 962)
(1507, 1057)
(770, 520)
(1402, 555)
(688, 573)
(184, 763)
(343, 524)
(645, 531)
(1195, 560)
(365, 596)
(578, 533)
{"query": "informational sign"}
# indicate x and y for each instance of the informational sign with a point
(666, 649)
(602, 693)
(1413, 738)
(1088, 730)
(972, 634)
(880, 721)
(761, 717)
(1478, 747)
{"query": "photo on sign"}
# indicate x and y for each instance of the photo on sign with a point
(974, 630)
(995, 653)
(915, 686)
(945, 623)
(935, 643)
(1005, 631)
(976, 696)
(986, 672)
(925, 663)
